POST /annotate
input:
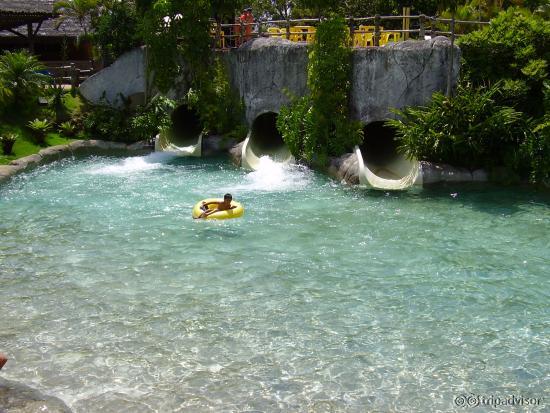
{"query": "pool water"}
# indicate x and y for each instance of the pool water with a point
(321, 298)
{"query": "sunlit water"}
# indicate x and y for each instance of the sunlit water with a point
(322, 298)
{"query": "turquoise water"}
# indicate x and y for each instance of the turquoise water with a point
(322, 298)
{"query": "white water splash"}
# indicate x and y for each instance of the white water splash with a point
(135, 164)
(274, 176)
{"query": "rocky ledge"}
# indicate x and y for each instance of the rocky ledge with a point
(76, 148)
(18, 398)
(346, 169)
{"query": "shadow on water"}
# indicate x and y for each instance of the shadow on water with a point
(483, 197)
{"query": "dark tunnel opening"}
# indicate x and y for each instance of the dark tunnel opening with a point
(265, 136)
(379, 146)
(186, 125)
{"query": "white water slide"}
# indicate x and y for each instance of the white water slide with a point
(166, 142)
(398, 174)
(264, 140)
(252, 154)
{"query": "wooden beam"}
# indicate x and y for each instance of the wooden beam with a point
(17, 33)
(30, 37)
(38, 27)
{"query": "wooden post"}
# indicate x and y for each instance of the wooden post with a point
(406, 22)
(260, 27)
(74, 76)
(30, 35)
(287, 28)
(377, 30)
(452, 55)
(352, 31)
(422, 31)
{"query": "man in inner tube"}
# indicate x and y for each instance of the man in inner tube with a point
(221, 206)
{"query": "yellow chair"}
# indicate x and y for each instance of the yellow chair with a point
(359, 39)
(296, 34)
(389, 37)
(308, 33)
(274, 32)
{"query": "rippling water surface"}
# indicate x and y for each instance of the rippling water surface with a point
(322, 298)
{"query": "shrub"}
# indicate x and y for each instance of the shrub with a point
(535, 153)
(123, 125)
(7, 143)
(515, 46)
(469, 129)
(39, 129)
(115, 30)
(318, 126)
(67, 129)
(20, 79)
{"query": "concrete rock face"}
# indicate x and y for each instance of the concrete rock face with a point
(399, 75)
(126, 77)
(265, 71)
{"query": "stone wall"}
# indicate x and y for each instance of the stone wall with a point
(266, 71)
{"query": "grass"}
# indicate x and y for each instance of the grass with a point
(25, 144)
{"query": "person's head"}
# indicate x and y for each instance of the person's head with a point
(227, 198)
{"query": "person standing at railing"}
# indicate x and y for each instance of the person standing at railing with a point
(248, 20)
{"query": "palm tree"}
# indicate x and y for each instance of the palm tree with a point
(20, 75)
(80, 10)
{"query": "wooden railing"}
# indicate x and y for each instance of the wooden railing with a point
(364, 31)
(70, 73)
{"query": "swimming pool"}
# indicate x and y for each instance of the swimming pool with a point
(322, 298)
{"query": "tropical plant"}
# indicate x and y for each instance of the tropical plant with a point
(67, 129)
(152, 118)
(39, 129)
(81, 10)
(116, 30)
(469, 129)
(513, 48)
(318, 126)
(20, 79)
(7, 143)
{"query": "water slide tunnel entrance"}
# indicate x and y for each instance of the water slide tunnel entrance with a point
(184, 138)
(380, 165)
(264, 140)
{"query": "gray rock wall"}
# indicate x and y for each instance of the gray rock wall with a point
(266, 70)
(126, 77)
(399, 75)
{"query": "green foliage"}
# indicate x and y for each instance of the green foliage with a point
(178, 31)
(318, 126)
(535, 152)
(218, 105)
(67, 129)
(80, 10)
(515, 47)
(7, 143)
(174, 30)
(469, 129)
(116, 30)
(152, 118)
(39, 129)
(20, 80)
(124, 125)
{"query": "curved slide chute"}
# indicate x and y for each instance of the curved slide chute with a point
(166, 143)
(380, 166)
(185, 136)
(264, 140)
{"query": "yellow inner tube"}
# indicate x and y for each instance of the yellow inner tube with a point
(236, 212)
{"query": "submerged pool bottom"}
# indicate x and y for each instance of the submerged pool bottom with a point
(321, 298)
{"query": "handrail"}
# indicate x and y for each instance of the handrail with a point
(239, 32)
